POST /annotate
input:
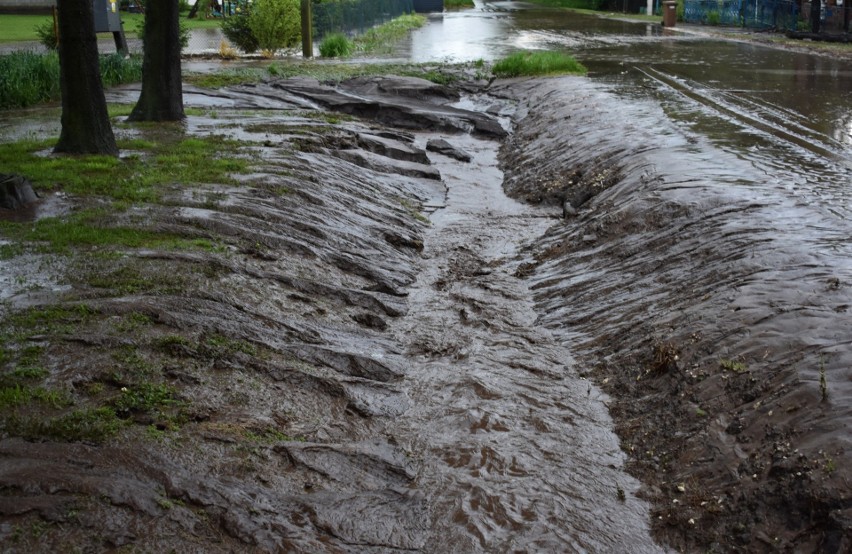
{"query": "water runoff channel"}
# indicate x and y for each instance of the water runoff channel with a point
(519, 445)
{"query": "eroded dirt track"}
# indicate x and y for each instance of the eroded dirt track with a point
(342, 373)
(340, 376)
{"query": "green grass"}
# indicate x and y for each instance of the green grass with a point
(28, 78)
(19, 395)
(50, 319)
(336, 45)
(455, 4)
(90, 425)
(522, 64)
(86, 230)
(138, 178)
(382, 39)
(144, 397)
(18, 28)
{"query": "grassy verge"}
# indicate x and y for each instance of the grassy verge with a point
(522, 64)
(456, 4)
(20, 28)
(381, 39)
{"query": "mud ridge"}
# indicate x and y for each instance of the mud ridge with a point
(706, 301)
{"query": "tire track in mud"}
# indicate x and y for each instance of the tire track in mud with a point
(516, 450)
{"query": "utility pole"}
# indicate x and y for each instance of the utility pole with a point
(307, 25)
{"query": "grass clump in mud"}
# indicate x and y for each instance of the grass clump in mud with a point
(87, 229)
(336, 45)
(87, 425)
(138, 177)
(529, 64)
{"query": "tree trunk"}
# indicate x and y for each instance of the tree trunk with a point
(85, 122)
(162, 91)
(816, 12)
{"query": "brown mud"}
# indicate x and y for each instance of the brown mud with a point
(711, 303)
(384, 353)
(337, 374)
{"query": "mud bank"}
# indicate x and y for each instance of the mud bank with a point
(710, 301)
(329, 371)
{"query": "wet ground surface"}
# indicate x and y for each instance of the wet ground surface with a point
(442, 378)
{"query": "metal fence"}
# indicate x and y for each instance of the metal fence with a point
(354, 17)
(754, 14)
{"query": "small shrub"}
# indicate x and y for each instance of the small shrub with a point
(144, 397)
(714, 18)
(236, 28)
(336, 45)
(275, 23)
(47, 35)
(537, 63)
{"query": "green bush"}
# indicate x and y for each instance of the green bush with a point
(336, 45)
(537, 63)
(714, 18)
(275, 23)
(236, 28)
(47, 35)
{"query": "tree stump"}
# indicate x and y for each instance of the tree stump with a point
(15, 192)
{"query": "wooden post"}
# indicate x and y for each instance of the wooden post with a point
(55, 27)
(307, 25)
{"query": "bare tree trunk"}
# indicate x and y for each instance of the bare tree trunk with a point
(162, 91)
(85, 123)
(816, 12)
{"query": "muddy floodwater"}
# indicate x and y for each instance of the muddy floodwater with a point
(606, 313)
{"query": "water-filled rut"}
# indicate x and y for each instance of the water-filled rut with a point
(517, 450)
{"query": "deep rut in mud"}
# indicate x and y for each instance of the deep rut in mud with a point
(516, 450)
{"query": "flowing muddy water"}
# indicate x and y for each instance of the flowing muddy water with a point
(517, 449)
(705, 277)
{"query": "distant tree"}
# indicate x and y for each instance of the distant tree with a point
(85, 122)
(162, 91)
